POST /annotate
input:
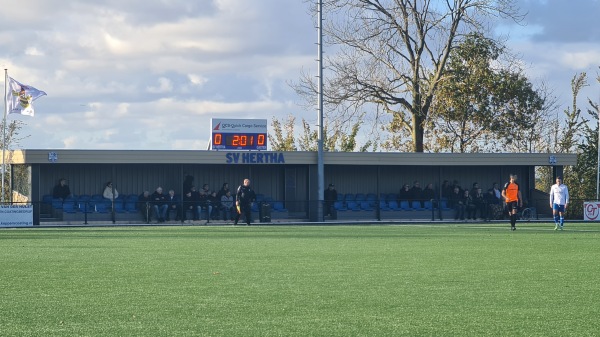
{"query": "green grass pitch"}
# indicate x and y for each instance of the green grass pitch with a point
(360, 280)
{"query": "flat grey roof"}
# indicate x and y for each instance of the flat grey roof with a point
(49, 156)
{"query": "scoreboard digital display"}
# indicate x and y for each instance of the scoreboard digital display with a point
(239, 141)
(238, 134)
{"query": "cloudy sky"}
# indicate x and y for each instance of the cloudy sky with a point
(149, 74)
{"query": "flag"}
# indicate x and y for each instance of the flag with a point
(238, 209)
(19, 97)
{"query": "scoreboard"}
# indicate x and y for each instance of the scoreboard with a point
(238, 134)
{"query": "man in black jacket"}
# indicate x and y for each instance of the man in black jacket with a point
(330, 197)
(244, 197)
(159, 204)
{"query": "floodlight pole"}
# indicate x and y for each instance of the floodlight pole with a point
(320, 165)
(598, 164)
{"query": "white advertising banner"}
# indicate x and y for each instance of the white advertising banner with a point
(16, 215)
(591, 210)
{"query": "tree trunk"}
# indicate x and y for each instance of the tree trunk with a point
(417, 127)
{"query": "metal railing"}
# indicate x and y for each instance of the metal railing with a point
(84, 212)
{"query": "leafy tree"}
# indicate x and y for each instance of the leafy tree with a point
(393, 54)
(478, 102)
(337, 141)
(575, 134)
(12, 140)
(565, 136)
(280, 141)
(582, 179)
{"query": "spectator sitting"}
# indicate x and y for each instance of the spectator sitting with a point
(493, 207)
(457, 203)
(479, 201)
(404, 194)
(415, 193)
(470, 208)
(190, 203)
(455, 183)
(204, 204)
(446, 189)
(429, 194)
(144, 205)
(61, 190)
(497, 191)
(224, 189)
(159, 204)
(473, 190)
(110, 192)
(215, 205)
(173, 204)
(227, 206)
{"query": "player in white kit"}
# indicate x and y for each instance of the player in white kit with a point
(559, 199)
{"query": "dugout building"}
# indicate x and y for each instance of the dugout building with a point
(288, 181)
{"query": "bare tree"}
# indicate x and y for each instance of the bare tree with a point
(393, 54)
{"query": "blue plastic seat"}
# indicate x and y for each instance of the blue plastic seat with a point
(119, 206)
(353, 205)
(365, 206)
(393, 205)
(444, 204)
(69, 207)
(47, 199)
(57, 203)
(278, 207)
(102, 207)
(339, 206)
(404, 205)
(416, 205)
(131, 206)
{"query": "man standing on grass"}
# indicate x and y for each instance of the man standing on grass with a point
(244, 197)
(513, 199)
(559, 199)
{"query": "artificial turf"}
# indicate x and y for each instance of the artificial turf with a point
(378, 280)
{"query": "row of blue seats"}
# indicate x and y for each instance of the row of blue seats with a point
(92, 203)
(128, 203)
(371, 197)
(391, 205)
(276, 206)
(357, 197)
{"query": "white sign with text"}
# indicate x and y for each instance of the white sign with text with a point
(16, 215)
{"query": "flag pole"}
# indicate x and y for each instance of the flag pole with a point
(4, 129)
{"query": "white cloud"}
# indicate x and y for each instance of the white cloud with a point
(582, 59)
(150, 74)
(164, 86)
(197, 79)
(33, 51)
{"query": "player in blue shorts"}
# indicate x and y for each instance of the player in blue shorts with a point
(559, 199)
